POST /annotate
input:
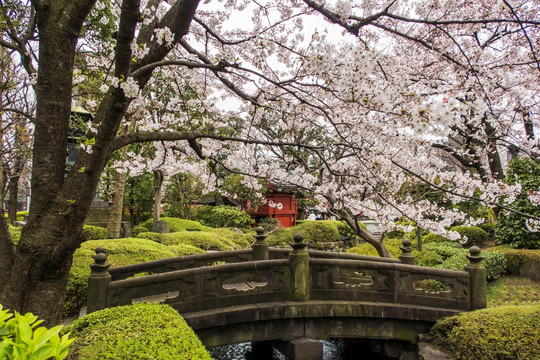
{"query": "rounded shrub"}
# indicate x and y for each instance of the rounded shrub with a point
(120, 252)
(202, 240)
(222, 240)
(176, 224)
(141, 331)
(138, 229)
(313, 231)
(431, 237)
(319, 231)
(475, 235)
(95, 232)
(504, 333)
(222, 216)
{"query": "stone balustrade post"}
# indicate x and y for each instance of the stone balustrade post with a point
(477, 273)
(260, 246)
(299, 262)
(406, 257)
(98, 281)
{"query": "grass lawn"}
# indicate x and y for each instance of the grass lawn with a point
(513, 290)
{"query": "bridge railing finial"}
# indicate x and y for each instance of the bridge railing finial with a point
(98, 281)
(260, 246)
(477, 273)
(406, 256)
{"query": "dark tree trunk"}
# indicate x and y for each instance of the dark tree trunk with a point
(33, 278)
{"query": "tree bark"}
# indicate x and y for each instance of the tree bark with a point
(378, 244)
(158, 182)
(33, 278)
(117, 208)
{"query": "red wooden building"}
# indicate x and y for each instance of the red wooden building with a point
(280, 205)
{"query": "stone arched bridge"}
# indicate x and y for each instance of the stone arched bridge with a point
(293, 297)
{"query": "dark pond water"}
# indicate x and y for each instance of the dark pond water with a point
(333, 350)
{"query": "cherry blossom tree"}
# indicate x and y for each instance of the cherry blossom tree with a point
(379, 81)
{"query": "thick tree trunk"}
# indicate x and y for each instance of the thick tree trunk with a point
(117, 208)
(33, 279)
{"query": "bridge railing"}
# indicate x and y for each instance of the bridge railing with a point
(262, 275)
(222, 257)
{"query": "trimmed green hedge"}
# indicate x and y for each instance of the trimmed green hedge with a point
(142, 331)
(120, 252)
(222, 216)
(475, 235)
(313, 231)
(516, 257)
(176, 224)
(185, 249)
(138, 229)
(222, 240)
(503, 333)
(95, 232)
(202, 240)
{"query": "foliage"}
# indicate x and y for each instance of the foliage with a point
(233, 185)
(222, 216)
(180, 192)
(504, 333)
(474, 235)
(138, 229)
(215, 240)
(141, 331)
(367, 122)
(183, 249)
(451, 255)
(313, 231)
(513, 290)
(139, 197)
(392, 244)
(120, 252)
(516, 257)
(95, 232)
(431, 237)
(176, 224)
(512, 228)
(15, 232)
(20, 215)
(489, 228)
(20, 338)
(269, 224)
